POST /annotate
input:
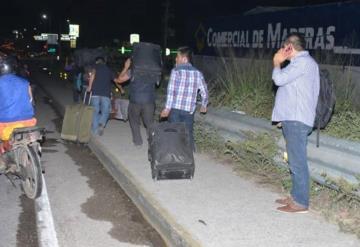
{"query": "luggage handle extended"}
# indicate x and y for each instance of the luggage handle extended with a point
(90, 93)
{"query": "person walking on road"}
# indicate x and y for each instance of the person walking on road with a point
(184, 84)
(101, 79)
(141, 101)
(294, 110)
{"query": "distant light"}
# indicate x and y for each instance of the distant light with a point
(58, 58)
(122, 50)
(74, 30)
(45, 68)
(68, 21)
(52, 50)
(34, 28)
(134, 38)
(167, 52)
(28, 46)
(25, 29)
(44, 16)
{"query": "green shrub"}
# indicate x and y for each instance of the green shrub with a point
(246, 87)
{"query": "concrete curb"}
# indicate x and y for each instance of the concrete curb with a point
(172, 233)
(160, 219)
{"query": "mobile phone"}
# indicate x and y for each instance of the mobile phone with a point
(288, 49)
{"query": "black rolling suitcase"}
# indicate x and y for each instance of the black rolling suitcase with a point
(170, 152)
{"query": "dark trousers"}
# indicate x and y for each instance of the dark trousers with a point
(179, 116)
(136, 113)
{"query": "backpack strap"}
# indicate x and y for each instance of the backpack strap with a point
(318, 135)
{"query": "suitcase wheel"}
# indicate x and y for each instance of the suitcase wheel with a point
(154, 174)
(192, 174)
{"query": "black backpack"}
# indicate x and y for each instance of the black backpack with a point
(146, 59)
(326, 103)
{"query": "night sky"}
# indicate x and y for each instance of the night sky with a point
(101, 21)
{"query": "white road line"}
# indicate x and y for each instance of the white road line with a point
(44, 220)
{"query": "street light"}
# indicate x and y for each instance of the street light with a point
(47, 19)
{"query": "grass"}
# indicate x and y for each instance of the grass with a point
(344, 124)
(246, 85)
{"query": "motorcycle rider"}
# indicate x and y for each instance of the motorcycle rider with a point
(16, 109)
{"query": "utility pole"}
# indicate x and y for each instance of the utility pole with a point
(166, 26)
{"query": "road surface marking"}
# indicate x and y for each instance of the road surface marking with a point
(44, 220)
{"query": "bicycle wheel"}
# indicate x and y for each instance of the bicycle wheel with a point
(30, 167)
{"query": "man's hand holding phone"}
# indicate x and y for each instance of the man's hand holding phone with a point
(287, 50)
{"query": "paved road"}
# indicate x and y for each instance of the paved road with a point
(88, 207)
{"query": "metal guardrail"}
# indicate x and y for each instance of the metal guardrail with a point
(336, 158)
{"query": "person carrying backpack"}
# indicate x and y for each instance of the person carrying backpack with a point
(295, 110)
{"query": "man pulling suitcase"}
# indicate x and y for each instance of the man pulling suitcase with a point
(171, 145)
(184, 84)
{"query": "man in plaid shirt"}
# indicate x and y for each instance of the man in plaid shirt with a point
(184, 84)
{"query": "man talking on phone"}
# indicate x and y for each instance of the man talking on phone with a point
(295, 107)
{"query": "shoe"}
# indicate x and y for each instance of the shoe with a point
(101, 131)
(2, 165)
(292, 208)
(284, 201)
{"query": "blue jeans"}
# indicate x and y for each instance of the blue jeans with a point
(101, 114)
(177, 116)
(296, 137)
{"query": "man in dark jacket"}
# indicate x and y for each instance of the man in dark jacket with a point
(142, 100)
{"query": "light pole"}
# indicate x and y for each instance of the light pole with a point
(47, 19)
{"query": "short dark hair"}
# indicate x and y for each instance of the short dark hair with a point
(297, 40)
(100, 60)
(186, 51)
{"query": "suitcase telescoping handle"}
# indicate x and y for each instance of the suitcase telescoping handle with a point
(90, 95)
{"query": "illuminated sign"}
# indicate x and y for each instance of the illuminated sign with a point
(74, 30)
(40, 38)
(73, 43)
(134, 38)
(52, 50)
(124, 50)
(52, 39)
(67, 37)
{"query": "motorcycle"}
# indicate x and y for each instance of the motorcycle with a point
(21, 156)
